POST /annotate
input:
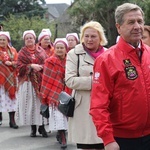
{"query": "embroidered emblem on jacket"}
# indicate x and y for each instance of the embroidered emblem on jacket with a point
(96, 75)
(127, 62)
(130, 70)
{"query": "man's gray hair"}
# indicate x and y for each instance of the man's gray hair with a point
(123, 9)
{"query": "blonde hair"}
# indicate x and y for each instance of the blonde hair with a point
(97, 26)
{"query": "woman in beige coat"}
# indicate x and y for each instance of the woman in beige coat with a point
(81, 128)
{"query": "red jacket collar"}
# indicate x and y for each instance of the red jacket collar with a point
(126, 47)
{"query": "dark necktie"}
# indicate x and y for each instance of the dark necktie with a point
(139, 53)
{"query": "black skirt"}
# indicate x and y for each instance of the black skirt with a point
(90, 146)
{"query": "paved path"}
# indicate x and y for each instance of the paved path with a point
(19, 139)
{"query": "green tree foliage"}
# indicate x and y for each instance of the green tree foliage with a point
(16, 27)
(146, 8)
(102, 11)
(18, 7)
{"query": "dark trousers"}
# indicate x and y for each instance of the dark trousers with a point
(142, 143)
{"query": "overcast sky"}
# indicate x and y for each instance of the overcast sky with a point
(58, 1)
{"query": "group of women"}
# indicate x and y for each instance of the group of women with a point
(22, 88)
(40, 71)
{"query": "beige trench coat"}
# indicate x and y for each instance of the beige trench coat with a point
(81, 129)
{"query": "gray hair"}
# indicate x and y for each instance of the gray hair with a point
(123, 9)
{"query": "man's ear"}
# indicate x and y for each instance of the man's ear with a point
(118, 27)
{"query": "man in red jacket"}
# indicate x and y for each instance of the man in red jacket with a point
(120, 99)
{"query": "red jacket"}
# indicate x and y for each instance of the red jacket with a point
(120, 99)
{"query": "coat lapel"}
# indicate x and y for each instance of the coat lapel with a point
(87, 58)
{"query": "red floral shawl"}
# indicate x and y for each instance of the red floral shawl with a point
(8, 73)
(25, 73)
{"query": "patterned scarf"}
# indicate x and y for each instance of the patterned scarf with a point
(7, 73)
(23, 65)
(53, 79)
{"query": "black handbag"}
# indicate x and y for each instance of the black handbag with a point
(44, 110)
(67, 104)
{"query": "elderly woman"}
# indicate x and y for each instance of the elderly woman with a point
(8, 58)
(44, 40)
(30, 63)
(81, 129)
(52, 84)
(146, 35)
(72, 39)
